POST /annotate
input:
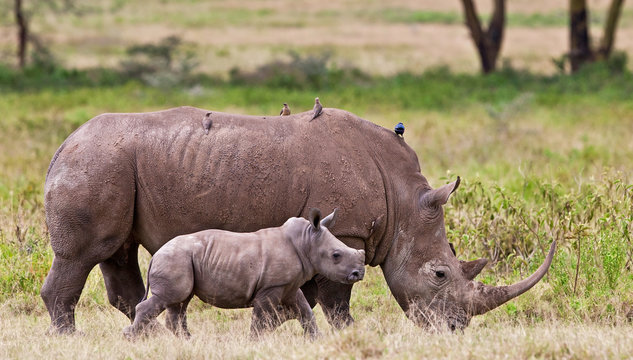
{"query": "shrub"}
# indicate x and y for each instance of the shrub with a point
(164, 64)
(300, 72)
(591, 225)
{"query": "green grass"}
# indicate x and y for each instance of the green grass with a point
(542, 158)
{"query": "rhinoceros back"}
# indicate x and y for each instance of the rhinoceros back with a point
(161, 175)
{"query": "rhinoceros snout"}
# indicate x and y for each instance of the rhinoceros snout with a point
(356, 275)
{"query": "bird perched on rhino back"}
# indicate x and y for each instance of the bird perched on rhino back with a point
(207, 123)
(317, 109)
(399, 129)
(285, 111)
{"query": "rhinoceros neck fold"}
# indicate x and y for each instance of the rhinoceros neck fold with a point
(399, 170)
(299, 238)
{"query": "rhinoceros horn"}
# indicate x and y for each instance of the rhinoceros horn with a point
(487, 297)
(438, 197)
(472, 268)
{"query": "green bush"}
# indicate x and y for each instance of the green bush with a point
(300, 72)
(164, 64)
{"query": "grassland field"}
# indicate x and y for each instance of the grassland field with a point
(376, 36)
(543, 156)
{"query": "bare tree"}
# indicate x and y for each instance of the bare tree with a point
(24, 13)
(487, 41)
(580, 50)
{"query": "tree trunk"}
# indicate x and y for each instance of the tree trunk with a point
(488, 42)
(495, 30)
(581, 51)
(20, 20)
(608, 38)
(580, 48)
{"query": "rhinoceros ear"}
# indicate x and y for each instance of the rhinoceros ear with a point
(329, 220)
(472, 268)
(315, 218)
(438, 197)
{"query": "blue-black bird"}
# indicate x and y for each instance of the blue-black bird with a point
(399, 129)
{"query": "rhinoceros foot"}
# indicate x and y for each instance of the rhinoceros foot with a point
(64, 330)
(134, 332)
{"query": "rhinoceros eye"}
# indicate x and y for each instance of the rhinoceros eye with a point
(440, 274)
(336, 255)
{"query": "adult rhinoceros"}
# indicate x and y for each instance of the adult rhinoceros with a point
(122, 180)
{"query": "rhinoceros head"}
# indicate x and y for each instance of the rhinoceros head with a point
(330, 256)
(431, 285)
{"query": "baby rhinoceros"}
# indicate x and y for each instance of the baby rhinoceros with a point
(262, 269)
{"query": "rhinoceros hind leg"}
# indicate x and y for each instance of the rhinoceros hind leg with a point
(123, 279)
(61, 291)
(145, 320)
(334, 300)
(176, 319)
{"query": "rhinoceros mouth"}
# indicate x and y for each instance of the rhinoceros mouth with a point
(355, 276)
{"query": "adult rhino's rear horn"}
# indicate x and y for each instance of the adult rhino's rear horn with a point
(487, 297)
(471, 269)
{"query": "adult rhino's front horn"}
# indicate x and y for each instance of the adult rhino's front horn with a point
(486, 298)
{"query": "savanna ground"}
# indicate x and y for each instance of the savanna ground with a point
(542, 156)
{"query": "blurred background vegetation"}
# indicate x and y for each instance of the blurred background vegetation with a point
(542, 141)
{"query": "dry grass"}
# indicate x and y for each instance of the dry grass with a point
(381, 331)
(222, 334)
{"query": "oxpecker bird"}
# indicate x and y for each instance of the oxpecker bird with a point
(317, 109)
(285, 111)
(399, 129)
(206, 123)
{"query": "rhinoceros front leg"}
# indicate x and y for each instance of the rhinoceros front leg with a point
(266, 316)
(334, 300)
(297, 307)
(61, 291)
(306, 315)
(123, 279)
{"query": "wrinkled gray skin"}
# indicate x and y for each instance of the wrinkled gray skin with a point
(122, 180)
(263, 270)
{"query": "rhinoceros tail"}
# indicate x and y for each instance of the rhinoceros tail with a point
(147, 287)
(50, 166)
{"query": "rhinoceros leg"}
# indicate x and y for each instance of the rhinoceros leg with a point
(265, 311)
(61, 291)
(310, 291)
(145, 320)
(305, 315)
(123, 279)
(334, 300)
(176, 319)
(296, 307)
